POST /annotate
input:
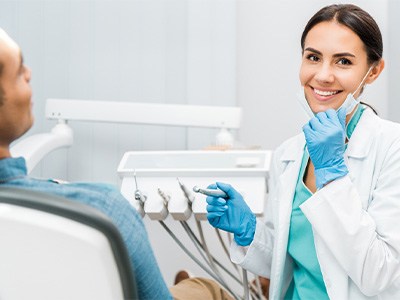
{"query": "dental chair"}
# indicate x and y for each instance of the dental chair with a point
(58, 249)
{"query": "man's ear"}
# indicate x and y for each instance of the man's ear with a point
(375, 71)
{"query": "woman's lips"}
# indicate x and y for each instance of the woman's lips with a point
(324, 95)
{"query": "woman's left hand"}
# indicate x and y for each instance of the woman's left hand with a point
(325, 138)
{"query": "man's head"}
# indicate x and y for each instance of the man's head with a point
(15, 93)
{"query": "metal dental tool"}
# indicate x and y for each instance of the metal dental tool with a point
(186, 192)
(210, 192)
(139, 196)
(164, 196)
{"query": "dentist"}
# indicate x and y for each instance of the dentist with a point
(332, 222)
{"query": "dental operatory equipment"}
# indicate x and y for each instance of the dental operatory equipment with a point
(175, 173)
(210, 192)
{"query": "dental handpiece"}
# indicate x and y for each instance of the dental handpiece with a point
(139, 196)
(210, 192)
(164, 196)
(186, 191)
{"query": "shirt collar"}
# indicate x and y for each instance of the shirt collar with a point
(11, 168)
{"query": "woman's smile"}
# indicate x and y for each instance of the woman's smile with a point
(323, 94)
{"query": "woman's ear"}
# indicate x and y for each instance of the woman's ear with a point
(375, 71)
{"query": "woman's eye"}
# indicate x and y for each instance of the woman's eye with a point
(344, 61)
(312, 57)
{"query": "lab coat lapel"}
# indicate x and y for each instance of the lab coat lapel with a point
(357, 156)
(291, 157)
(360, 142)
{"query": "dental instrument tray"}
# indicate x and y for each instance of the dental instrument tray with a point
(246, 170)
(195, 163)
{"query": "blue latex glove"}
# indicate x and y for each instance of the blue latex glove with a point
(325, 138)
(231, 214)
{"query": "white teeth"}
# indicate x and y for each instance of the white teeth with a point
(325, 93)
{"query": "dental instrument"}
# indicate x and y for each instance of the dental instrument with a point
(186, 192)
(139, 196)
(164, 196)
(210, 192)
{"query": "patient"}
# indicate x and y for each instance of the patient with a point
(15, 119)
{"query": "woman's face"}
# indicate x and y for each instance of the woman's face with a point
(334, 64)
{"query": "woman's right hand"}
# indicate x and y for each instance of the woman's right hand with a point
(231, 214)
(325, 137)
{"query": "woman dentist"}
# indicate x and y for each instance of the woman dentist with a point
(333, 215)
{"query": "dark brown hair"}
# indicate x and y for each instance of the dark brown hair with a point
(356, 19)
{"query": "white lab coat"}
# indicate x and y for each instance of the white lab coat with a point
(355, 219)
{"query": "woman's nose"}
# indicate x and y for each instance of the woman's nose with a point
(324, 74)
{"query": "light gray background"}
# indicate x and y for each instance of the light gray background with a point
(237, 53)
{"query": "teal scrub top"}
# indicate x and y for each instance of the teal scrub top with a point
(307, 282)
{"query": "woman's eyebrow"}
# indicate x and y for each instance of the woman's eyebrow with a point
(313, 50)
(343, 54)
(334, 55)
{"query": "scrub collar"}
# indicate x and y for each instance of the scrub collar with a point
(351, 125)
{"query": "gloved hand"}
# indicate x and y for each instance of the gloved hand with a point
(325, 138)
(232, 214)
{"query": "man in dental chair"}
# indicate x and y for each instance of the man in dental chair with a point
(16, 119)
